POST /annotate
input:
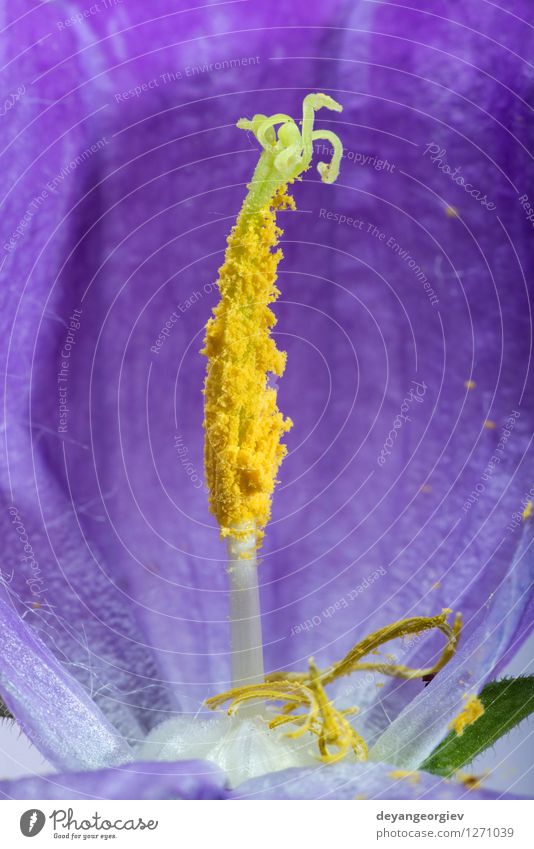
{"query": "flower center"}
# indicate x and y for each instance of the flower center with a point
(242, 748)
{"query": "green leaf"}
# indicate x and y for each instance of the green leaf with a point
(4, 712)
(506, 703)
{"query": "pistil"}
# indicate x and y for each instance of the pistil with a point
(243, 425)
(245, 618)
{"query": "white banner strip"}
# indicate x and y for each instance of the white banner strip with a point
(262, 825)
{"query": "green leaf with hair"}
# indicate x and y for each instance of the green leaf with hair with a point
(506, 703)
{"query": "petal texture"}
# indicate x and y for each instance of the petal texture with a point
(355, 781)
(51, 707)
(143, 780)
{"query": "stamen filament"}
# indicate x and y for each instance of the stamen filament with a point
(306, 689)
(415, 625)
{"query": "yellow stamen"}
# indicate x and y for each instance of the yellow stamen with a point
(334, 729)
(335, 735)
(471, 711)
(417, 625)
(243, 425)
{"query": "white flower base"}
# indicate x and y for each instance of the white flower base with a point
(243, 748)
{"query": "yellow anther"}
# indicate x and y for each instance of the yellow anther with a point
(416, 625)
(334, 731)
(472, 710)
(336, 737)
(294, 695)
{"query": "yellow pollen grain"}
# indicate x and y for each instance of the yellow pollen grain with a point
(528, 511)
(470, 781)
(489, 424)
(409, 775)
(472, 710)
(469, 384)
(451, 212)
(436, 586)
(243, 424)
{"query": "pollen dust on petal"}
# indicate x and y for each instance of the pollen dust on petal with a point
(470, 781)
(471, 711)
(410, 775)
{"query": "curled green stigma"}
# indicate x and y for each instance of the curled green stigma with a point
(288, 154)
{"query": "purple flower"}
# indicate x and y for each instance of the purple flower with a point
(405, 313)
